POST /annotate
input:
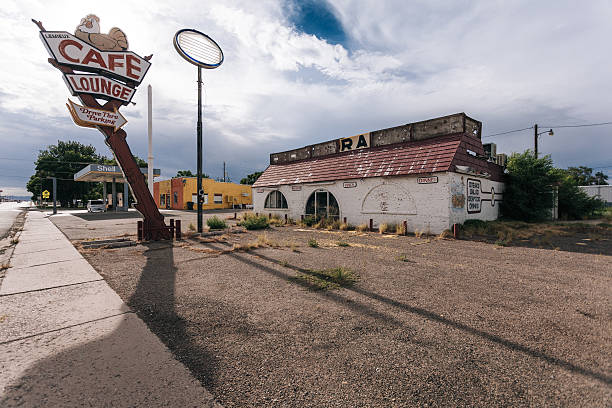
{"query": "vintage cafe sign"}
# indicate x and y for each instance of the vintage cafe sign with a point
(69, 50)
(98, 86)
(89, 117)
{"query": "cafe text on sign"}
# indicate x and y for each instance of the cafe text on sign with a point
(69, 50)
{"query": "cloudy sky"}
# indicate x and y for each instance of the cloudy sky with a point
(300, 72)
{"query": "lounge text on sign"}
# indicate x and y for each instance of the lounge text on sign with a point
(68, 50)
(98, 86)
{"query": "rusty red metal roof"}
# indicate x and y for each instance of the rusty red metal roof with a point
(410, 158)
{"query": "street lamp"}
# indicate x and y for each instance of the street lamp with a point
(535, 137)
(198, 49)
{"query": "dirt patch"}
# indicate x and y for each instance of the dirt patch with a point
(589, 238)
(429, 321)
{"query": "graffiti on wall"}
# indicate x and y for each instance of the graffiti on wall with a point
(457, 195)
(388, 199)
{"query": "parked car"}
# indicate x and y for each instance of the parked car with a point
(95, 206)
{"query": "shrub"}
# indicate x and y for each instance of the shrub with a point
(343, 244)
(309, 220)
(361, 227)
(215, 222)
(313, 243)
(254, 222)
(574, 203)
(192, 227)
(528, 191)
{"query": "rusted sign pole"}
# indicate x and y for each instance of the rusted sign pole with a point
(154, 227)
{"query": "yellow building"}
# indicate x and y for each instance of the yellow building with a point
(178, 194)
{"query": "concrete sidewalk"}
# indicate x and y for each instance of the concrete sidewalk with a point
(67, 339)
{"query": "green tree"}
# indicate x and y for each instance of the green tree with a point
(601, 179)
(583, 176)
(574, 203)
(185, 173)
(251, 178)
(63, 161)
(528, 191)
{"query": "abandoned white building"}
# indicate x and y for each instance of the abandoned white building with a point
(431, 174)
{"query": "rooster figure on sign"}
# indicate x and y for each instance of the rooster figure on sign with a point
(88, 30)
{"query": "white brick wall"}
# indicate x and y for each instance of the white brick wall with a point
(425, 207)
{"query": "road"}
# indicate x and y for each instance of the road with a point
(8, 213)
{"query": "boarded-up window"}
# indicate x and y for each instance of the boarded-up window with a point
(218, 198)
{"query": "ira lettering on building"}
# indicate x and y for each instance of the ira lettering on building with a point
(355, 142)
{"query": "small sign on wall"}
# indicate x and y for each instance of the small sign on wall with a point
(473, 196)
(427, 180)
(296, 188)
(349, 184)
(260, 190)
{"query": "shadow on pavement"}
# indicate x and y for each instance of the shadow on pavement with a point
(364, 309)
(119, 363)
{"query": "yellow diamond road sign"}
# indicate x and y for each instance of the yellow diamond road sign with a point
(46, 194)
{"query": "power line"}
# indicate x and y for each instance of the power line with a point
(508, 132)
(578, 126)
(550, 127)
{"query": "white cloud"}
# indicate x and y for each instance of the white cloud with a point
(507, 64)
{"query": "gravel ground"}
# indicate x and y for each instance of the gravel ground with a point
(429, 323)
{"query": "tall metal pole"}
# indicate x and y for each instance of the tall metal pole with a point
(54, 195)
(200, 192)
(150, 157)
(535, 140)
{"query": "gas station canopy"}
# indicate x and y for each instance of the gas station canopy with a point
(104, 172)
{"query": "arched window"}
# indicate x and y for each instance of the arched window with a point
(275, 199)
(322, 204)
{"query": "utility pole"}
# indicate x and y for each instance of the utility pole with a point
(224, 172)
(54, 195)
(535, 140)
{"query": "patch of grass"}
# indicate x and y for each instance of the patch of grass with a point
(192, 227)
(343, 244)
(309, 221)
(14, 241)
(327, 279)
(418, 234)
(445, 234)
(382, 228)
(604, 225)
(215, 222)
(263, 239)
(404, 258)
(361, 228)
(253, 222)
(276, 220)
(344, 226)
(313, 243)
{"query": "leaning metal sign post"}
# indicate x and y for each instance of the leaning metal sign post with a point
(199, 49)
(106, 70)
